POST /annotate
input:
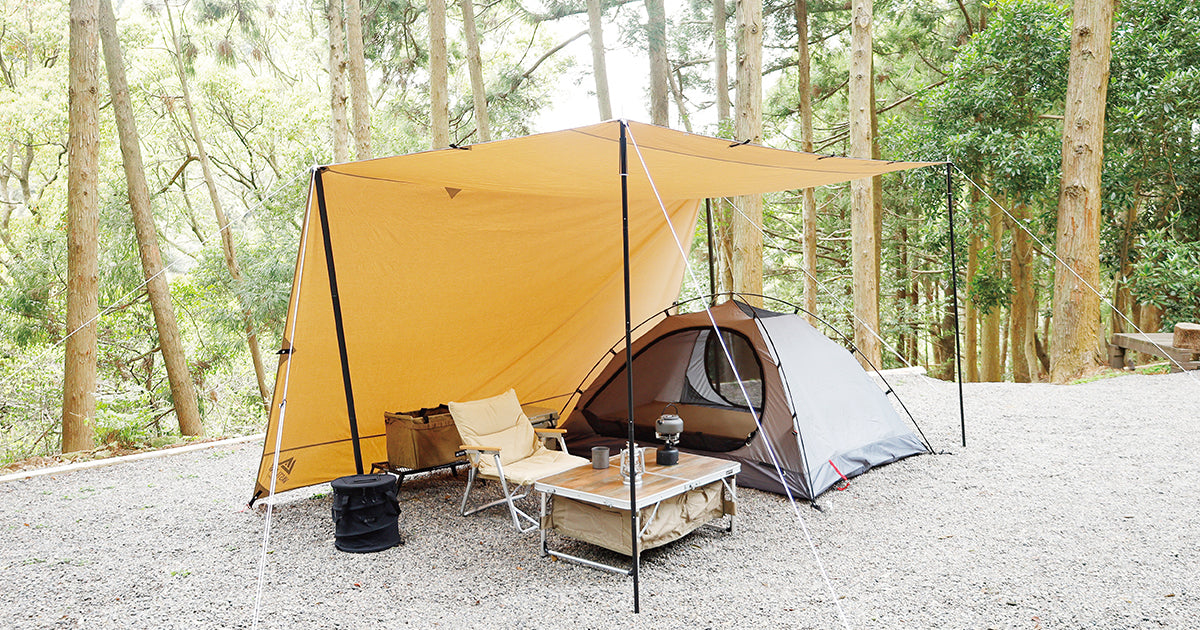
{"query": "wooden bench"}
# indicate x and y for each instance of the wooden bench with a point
(1157, 344)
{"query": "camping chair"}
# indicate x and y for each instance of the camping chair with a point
(502, 445)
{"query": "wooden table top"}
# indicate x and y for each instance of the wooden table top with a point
(604, 486)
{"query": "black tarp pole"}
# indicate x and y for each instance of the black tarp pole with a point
(337, 319)
(633, 512)
(962, 414)
(712, 274)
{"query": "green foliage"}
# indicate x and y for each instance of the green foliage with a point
(989, 290)
(1168, 276)
(397, 46)
(990, 115)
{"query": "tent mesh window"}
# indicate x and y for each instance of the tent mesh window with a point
(723, 379)
(687, 368)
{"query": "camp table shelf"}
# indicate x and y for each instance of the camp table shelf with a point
(401, 473)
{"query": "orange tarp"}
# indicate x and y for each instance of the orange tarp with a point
(464, 272)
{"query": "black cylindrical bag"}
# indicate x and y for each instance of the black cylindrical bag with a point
(365, 513)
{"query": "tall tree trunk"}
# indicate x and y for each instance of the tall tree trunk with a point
(1122, 299)
(183, 390)
(993, 364)
(946, 337)
(724, 211)
(1005, 321)
(337, 82)
(876, 186)
(914, 301)
(83, 219)
(676, 82)
(475, 66)
(439, 89)
(902, 275)
(1073, 347)
(721, 60)
(360, 94)
(656, 37)
(747, 224)
(1022, 313)
(1032, 355)
(862, 196)
(599, 67)
(931, 346)
(804, 87)
(990, 342)
(971, 345)
(1150, 319)
(223, 225)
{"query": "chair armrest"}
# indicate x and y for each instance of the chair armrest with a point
(553, 434)
(481, 449)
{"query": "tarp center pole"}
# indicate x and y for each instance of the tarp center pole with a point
(962, 414)
(633, 511)
(771, 452)
(337, 319)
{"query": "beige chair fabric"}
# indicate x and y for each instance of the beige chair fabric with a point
(543, 463)
(499, 422)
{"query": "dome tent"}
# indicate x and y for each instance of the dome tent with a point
(824, 416)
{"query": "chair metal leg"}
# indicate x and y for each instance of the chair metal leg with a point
(512, 509)
(509, 498)
(467, 493)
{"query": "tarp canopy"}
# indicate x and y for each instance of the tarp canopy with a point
(462, 272)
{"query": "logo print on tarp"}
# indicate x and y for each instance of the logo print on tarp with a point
(285, 469)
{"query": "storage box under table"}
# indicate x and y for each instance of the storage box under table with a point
(593, 505)
(664, 522)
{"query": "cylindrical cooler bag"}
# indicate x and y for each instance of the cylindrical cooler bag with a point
(365, 513)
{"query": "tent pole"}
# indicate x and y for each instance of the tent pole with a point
(633, 512)
(337, 319)
(712, 274)
(962, 414)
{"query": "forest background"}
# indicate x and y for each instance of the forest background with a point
(234, 101)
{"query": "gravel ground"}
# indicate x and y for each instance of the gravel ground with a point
(1071, 507)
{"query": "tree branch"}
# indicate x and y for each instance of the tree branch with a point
(963, 8)
(519, 79)
(178, 172)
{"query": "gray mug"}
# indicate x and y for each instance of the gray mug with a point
(599, 457)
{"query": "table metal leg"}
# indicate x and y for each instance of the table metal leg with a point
(730, 484)
(590, 563)
(542, 524)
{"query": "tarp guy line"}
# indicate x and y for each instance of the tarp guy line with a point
(262, 561)
(1076, 274)
(745, 395)
(849, 310)
(40, 357)
(824, 288)
(787, 387)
